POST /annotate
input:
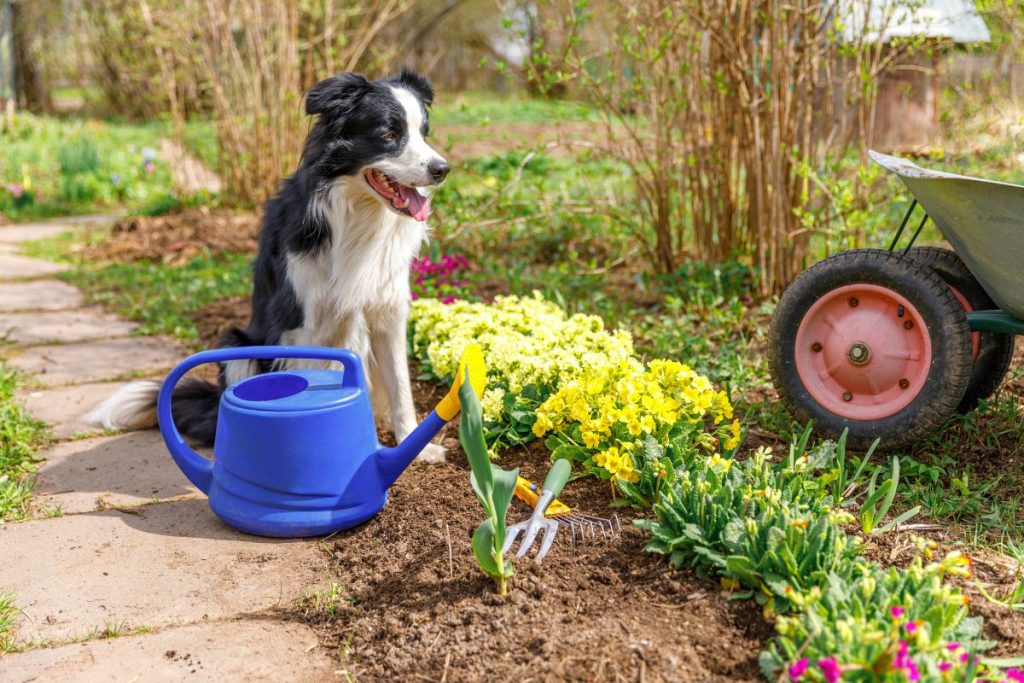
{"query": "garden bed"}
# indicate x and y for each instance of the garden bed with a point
(412, 604)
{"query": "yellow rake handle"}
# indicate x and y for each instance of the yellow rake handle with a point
(529, 493)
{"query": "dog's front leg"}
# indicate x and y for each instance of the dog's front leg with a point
(388, 336)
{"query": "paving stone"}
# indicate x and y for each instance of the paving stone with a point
(250, 650)
(25, 232)
(162, 564)
(64, 408)
(41, 327)
(96, 360)
(48, 295)
(14, 266)
(108, 471)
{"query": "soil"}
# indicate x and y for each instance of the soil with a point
(177, 237)
(415, 606)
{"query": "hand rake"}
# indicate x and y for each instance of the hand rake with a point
(549, 513)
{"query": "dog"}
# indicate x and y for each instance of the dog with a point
(335, 249)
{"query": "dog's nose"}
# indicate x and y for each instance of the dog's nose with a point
(438, 170)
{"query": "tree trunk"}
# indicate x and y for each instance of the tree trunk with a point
(32, 92)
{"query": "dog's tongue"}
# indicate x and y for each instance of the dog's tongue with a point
(419, 206)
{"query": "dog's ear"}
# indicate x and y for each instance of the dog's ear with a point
(417, 83)
(336, 94)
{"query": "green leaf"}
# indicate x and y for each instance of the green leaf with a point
(504, 487)
(483, 543)
(471, 435)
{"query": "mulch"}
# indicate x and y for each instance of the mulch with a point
(176, 238)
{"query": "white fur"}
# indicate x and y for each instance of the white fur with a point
(133, 406)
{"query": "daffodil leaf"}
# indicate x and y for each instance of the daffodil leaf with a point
(483, 545)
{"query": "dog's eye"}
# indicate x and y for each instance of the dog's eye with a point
(389, 136)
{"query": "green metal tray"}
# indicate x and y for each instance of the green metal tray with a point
(982, 219)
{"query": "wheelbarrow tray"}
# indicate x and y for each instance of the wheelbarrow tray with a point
(982, 219)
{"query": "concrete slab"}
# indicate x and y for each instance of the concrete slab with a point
(15, 266)
(24, 232)
(250, 650)
(40, 295)
(64, 408)
(162, 564)
(111, 471)
(94, 361)
(43, 327)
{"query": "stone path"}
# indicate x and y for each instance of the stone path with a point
(121, 571)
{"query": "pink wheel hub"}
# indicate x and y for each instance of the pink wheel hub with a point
(863, 352)
(975, 336)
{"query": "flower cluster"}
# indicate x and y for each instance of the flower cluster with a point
(532, 347)
(441, 279)
(635, 424)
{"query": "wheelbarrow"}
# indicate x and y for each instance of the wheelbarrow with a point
(891, 343)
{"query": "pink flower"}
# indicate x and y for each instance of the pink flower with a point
(953, 647)
(896, 612)
(1015, 675)
(797, 669)
(911, 626)
(945, 666)
(830, 669)
(15, 189)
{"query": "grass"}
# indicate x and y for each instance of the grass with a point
(8, 614)
(20, 438)
(53, 166)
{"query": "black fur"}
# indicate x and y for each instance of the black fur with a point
(358, 122)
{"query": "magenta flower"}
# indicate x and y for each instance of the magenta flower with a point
(945, 666)
(15, 189)
(953, 647)
(896, 612)
(1015, 675)
(830, 669)
(798, 668)
(911, 626)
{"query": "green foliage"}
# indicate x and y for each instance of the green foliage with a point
(164, 298)
(776, 529)
(52, 166)
(8, 613)
(493, 487)
(20, 438)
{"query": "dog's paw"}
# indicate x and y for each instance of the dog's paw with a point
(432, 454)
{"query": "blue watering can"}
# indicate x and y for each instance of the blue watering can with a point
(296, 451)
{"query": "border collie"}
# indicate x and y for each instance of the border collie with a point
(335, 250)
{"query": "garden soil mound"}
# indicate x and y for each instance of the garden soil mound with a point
(415, 606)
(175, 238)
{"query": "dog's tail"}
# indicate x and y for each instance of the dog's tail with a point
(133, 406)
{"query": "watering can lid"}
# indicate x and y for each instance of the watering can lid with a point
(292, 390)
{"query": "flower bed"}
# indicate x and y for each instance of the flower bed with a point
(663, 436)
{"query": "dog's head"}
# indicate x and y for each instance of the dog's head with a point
(375, 131)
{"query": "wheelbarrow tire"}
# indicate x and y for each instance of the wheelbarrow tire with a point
(902, 324)
(992, 351)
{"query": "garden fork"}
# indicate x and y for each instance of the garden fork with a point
(558, 475)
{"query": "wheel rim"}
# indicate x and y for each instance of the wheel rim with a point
(975, 336)
(863, 352)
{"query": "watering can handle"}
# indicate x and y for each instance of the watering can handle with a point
(198, 469)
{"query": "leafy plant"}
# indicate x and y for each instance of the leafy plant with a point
(879, 500)
(20, 436)
(493, 487)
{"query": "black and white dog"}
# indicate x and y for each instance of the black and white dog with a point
(334, 254)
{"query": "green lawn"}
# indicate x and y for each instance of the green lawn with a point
(20, 439)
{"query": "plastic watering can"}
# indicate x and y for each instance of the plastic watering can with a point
(296, 451)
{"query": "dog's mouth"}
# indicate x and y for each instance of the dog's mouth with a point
(404, 199)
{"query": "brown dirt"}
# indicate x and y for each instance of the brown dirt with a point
(416, 607)
(177, 237)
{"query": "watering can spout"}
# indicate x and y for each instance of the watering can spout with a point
(391, 462)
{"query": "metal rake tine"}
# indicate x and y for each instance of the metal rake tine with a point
(510, 536)
(531, 536)
(549, 537)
